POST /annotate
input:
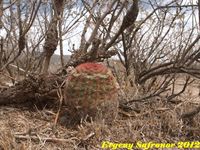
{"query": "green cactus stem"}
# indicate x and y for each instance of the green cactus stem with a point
(91, 91)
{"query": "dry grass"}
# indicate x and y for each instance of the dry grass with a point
(22, 128)
(29, 128)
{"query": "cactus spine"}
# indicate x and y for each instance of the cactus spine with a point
(91, 90)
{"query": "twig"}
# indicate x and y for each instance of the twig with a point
(35, 138)
(84, 140)
(87, 57)
(89, 136)
(9, 5)
(192, 113)
(127, 114)
(12, 78)
(143, 99)
(60, 95)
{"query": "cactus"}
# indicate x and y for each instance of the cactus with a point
(91, 91)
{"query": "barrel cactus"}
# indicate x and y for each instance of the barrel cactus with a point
(91, 91)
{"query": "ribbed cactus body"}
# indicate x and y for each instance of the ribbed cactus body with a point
(91, 89)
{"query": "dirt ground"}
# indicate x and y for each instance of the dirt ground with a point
(28, 128)
(155, 120)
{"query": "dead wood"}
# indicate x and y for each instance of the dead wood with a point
(38, 138)
(33, 89)
(75, 59)
(43, 88)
